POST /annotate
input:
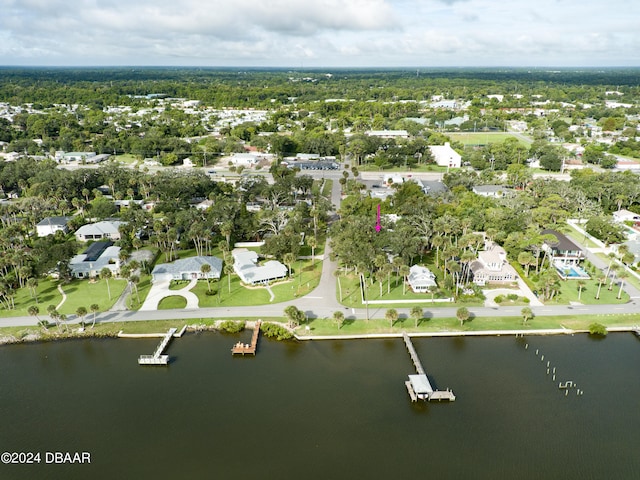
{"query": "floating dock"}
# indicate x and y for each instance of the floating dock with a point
(248, 348)
(418, 385)
(158, 358)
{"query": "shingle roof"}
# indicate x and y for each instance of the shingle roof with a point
(190, 265)
(563, 243)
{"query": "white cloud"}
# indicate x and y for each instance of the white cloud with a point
(322, 32)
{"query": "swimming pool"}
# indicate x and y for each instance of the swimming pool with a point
(571, 272)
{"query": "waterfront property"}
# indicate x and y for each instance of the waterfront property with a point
(158, 358)
(492, 266)
(421, 279)
(247, 268)
(248, 348)
(188, 269)
(97, 256)
(418, 385)
(568, 271)
(563, 249)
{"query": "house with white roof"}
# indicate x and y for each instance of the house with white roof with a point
(188, 269)
(51, 225)
(388, 133)
(492, 266)
(245, 264)
(624, 215)
(105, 230)
(421, 279)
(494, 191)
(97, 256)
(446, 156)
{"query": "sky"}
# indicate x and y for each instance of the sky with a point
(320, 33)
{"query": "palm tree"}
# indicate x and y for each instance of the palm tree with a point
(205, 269)
(313, 243)
(622, 275)
(391, 315)
(106, 274)
(94, 309)
(32, 283)
(463, 315)
(614, 271)
(338, 316)
(526, 260)
(602, 278)
(228, 270)
(135, 280)
(289, 258)
(527, 314)
(293, 315)
(81, 312)
(417, 314)
(581, 284)
(404, 272)
(34, 311)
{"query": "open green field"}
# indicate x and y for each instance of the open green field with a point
(485, 138)
(126, 158)
(327, 326)
(79, 293)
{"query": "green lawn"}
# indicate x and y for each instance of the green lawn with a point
(484, 138)
(143, 290)
(79, 293)
(326, 189)
(126, 158)
(352, 296)
(305, 278)
(579, 238)
(172, 302)
(378, 326)
(47, 294)
(84, 293)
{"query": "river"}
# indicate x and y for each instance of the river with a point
(324, 410)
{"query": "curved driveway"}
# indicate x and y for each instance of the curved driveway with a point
(322, 302)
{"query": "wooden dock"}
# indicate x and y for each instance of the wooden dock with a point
(158, 358)
(248, 348)
(418, 386)
(636, 332)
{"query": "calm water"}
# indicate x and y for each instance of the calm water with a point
(324, 410)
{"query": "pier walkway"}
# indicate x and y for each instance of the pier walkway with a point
(418, 386)
(158, 358)
(250, 348)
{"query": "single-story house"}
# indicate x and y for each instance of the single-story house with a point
(245, 264)
(421, 279)
(51, 225)
(494, 191)
(188, 269)
(625, 216)
(96, 257)
(446, 156)
(492, 266)
(388, 133)
(563, 250)
(105, 230)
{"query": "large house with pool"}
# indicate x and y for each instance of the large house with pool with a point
(562, 250)
(565, 256)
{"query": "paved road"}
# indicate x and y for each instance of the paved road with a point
(322, 302)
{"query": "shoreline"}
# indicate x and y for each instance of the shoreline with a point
(215, 327)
